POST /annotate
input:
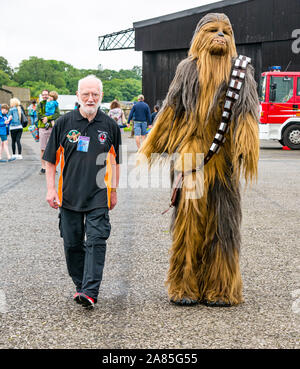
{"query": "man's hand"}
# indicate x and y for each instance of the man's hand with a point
(113, 200)
(53, 199)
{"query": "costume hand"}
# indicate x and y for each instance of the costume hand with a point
(113, 200)
(53, 199)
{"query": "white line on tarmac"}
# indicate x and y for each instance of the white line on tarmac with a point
(3, 307)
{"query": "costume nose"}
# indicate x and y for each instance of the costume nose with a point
(221, 34)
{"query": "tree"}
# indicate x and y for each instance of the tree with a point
(138, 71)
(4, 66)
(4, 78)
(112, 90)
(37, 69)
(130, 88)
(120, 89)
(37, 73)
(36, 88)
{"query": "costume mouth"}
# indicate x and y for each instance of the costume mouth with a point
(219, 41)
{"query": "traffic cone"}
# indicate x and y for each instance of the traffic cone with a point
(285, 148)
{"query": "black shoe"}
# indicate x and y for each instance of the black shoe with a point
(42, 171)
(218, 303)
(87, 301)
(186, 301)
(76, 298)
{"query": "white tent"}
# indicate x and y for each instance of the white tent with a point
(67, 102)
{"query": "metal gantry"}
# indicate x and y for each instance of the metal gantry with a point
(117, 41)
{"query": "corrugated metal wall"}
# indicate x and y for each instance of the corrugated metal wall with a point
(263, 30)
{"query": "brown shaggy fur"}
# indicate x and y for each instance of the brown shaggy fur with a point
(204, 262)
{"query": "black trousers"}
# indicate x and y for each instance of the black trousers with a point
(85, 236)
(16, 135)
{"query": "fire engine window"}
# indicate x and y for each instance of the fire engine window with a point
(262, 88)
(281, 89)
(298, 86)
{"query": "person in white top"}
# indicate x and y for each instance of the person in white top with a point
(117, 114)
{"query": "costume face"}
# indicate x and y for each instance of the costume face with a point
(217, 36)
(213, 36)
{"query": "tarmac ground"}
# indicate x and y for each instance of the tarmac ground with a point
(133, 311)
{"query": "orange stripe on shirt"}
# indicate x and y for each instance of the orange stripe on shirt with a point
(110, 160)
(60, 157)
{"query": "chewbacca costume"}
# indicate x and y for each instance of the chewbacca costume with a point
(204, 262)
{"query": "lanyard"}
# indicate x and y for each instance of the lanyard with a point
(84, 132)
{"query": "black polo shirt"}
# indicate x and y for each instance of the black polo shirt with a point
(84, 182)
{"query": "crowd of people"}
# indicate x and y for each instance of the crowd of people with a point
(13, 120)
(44, 114)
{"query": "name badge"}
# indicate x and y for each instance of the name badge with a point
(83, 143)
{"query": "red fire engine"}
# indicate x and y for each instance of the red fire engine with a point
(280, 107)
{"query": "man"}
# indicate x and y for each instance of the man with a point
(142, 118)
(45, 125)
(87, 142)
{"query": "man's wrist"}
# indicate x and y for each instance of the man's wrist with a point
(51, 189)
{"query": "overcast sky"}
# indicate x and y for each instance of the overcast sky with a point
(68, 30)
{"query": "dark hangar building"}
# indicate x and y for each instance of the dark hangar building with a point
(264, 30)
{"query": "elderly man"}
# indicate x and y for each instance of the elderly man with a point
(45, 126)
(140, 113)
(86, 141)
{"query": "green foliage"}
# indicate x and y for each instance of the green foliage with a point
(37, 74)
(4, 78)
(119, 89)
(4, 66)
(36, 69)
(37, 86)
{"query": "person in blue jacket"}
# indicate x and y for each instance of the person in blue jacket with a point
(142, 118)
(4, 124)
(153, 116)
(32, 113)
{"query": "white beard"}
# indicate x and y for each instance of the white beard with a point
(88, 110)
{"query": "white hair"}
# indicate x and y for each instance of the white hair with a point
(91, 77)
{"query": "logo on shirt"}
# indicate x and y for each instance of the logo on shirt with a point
(102, 136)
(73, 136)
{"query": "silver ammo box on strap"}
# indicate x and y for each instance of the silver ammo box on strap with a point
(235, 84)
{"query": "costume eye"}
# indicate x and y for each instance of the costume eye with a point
(213, 30)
